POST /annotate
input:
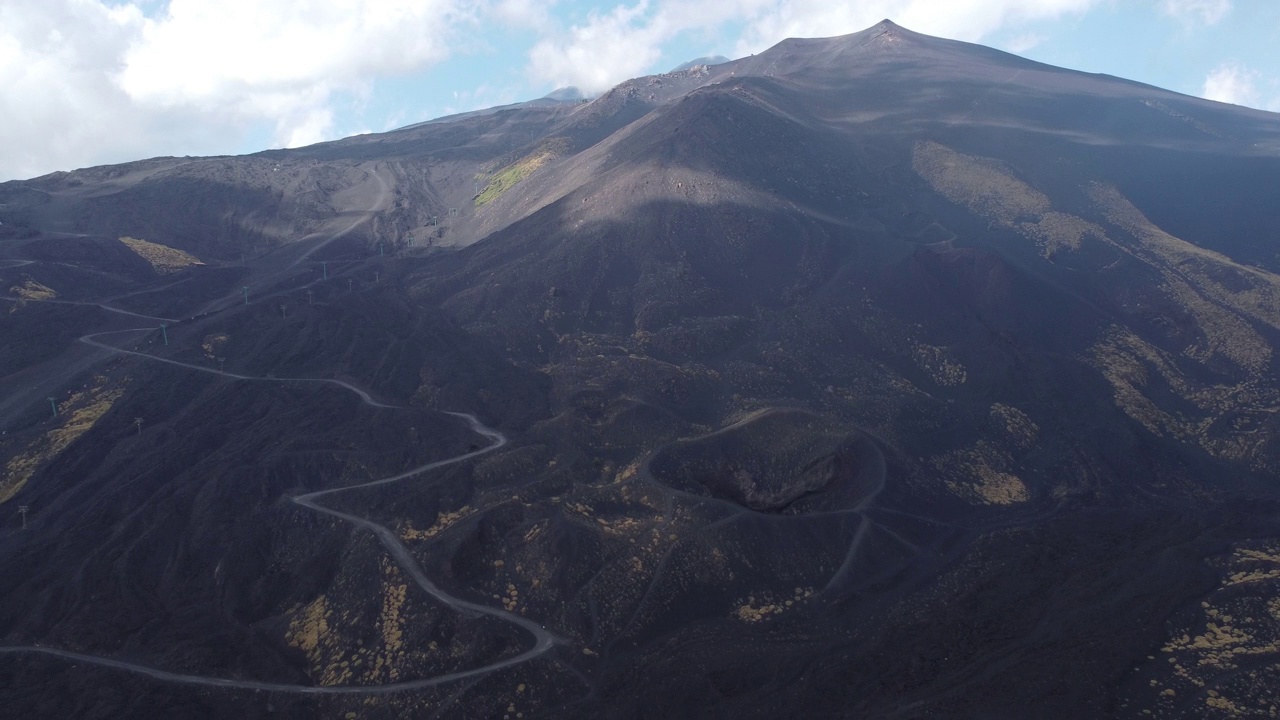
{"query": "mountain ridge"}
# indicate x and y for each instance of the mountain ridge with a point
(877, 388)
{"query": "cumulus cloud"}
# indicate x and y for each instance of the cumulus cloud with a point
(1192, 12)
(91, 81)
(312, 127)
(281, 60)
(605, 49)
(54, 91)
(614, 45)
(201, 53)
(1024, 42)
(1232, 83)
(534, 14)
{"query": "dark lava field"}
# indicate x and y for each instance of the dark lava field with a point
(877, 376)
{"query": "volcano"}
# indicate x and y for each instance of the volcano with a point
(871, 376)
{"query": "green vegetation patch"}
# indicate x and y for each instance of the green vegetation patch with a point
(507, 177)
(76, 416)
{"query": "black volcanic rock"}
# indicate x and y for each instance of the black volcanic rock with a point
(770, 461)
(704, 60)
(869, 376)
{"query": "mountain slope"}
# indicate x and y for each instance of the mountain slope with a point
(871, 376)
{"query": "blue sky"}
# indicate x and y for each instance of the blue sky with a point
(86, 82)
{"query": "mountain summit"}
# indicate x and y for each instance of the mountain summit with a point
(875, 376)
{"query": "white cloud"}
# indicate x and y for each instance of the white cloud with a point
(316, 126)
(623, 42)
(280, 60)
(93, 81)
(607, 48)
(54, 92)
(1024, 42)
(532, 14)
(1232, 83)
(1191, 12)
(201, 52)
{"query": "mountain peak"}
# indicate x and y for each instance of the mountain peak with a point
(888, 30)
(565, 94)
(704, 60)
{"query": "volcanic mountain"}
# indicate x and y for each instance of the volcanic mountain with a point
(870, 376)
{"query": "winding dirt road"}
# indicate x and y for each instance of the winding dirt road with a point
(543, 640)
(379, 202)
(365, 397)
(104, 306)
